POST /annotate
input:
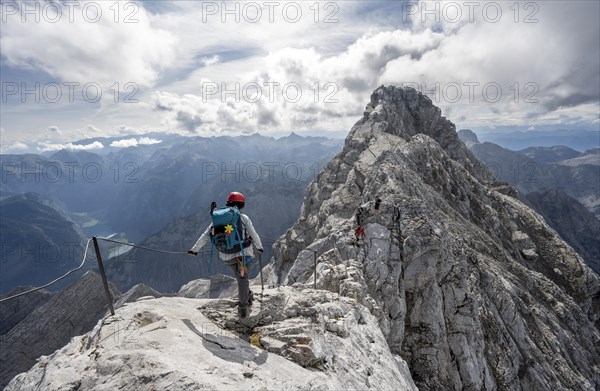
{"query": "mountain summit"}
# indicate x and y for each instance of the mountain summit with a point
(470, 286)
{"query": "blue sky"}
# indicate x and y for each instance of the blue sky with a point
(485, 64)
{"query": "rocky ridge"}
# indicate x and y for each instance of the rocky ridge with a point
(470, 286)
(306, 340)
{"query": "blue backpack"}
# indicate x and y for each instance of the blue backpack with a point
(228, 234)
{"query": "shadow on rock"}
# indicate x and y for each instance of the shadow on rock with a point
(228, 348)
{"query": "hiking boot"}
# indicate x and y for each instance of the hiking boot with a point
(243, 312)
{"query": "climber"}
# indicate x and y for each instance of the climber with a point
(361, 213)
(233, 235)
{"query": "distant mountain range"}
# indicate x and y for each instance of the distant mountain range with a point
(138, 192)
(559, 182)
(187, 177)
(39, 242)
(579, 139)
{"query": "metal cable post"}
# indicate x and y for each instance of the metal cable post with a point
(103, 274)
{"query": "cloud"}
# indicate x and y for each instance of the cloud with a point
(85, 49)
(208, 61)
(183, 111)
(18, 147)
(133, 142)
(553, 66)
(294, 88)
(47, 147)
(197, 115)
(461, 65)
(173, 53)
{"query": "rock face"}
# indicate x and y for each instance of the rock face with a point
(591, 157)
(70, 312)
(306, 340)
(14, 311)
(219, 286)
(573, 222)
(135, 293)
(468, 137)
(470, 286)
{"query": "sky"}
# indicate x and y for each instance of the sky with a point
(81, 69)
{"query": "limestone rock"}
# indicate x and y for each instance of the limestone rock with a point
(195, 289)
(525, 245)
(218, 286)
(137, 292)
(469, 285)
(171, 343)
(573, 222)
(468, 137)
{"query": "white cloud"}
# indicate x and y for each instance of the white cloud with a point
(85, 51)
(368, 46)
(133, 142)
(17, 147)
(435, 56)
(208, 61)
(544, 54)
(48, 147)
(332, 90)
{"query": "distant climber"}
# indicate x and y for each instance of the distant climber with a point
(232, 234)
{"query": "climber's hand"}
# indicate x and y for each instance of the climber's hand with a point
(192, 253)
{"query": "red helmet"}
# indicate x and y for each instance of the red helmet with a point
(234, 196)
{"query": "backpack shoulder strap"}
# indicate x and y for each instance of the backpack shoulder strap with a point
(242, 224)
